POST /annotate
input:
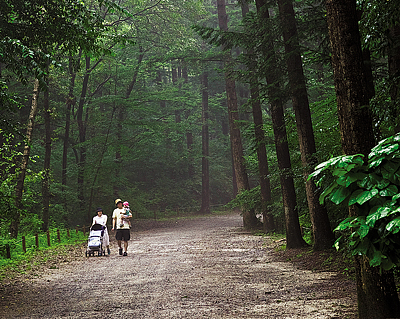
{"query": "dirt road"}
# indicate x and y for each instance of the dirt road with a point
(200, 268)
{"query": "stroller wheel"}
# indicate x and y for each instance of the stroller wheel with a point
(99, 252)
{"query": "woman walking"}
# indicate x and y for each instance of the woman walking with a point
(101, 219)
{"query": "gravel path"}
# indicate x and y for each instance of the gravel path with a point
(200, 268)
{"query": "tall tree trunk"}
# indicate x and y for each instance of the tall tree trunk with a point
(249, 218)
(293, 232)
(189, 133)
(14, 227)
(259, 134)
(121, 116)
(265, 185)
(82, 121)
(205, 173)
(70, 101)
(47, 157)
(322, 232)
(377, 295)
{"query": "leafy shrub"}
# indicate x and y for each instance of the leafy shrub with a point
(371, 186)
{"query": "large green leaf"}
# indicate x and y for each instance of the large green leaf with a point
(376, 259)
(372, 218)
(354, 196)
(339, 195)
(345, 224)
(362, 247)
(367, 182)
(363, 231)
(376, 162)
(327, 192)
(339, 172)
(383, 183)
(389, 191)
(394, 225)
(366, 196)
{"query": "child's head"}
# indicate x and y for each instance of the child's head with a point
(126, 204)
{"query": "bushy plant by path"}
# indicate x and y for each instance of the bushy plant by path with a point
(371, 185)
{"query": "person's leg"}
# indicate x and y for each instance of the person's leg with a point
(126, 246)
(107, 241)
(120, 246)
(118, 237)
(127, 237)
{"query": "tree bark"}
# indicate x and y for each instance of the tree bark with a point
(249, 218)
(14, 227)
(47, 157)
(205, 173)
(292, 225)
(265, 185)
(377, 295)
(82, 121)
(70, 101)
(259, 134)
(121, 116)
(322, 232)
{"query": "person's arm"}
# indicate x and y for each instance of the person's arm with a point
(105, 222)
(113, 222)
(94, 221)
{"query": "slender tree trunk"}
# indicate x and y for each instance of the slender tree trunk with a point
(98, 166)
(120, 118)
(24, 164)
(377, 295)
(82, 121)
(265, 185)
(259, 134)
(189, 133)
(47, 157)
(249, 218)
(135, 74)
(205, 173)
(292, 225)
(322, 232)
(70, 101)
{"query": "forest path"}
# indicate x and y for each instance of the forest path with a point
(196, 268)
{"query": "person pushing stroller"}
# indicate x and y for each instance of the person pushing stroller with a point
(101, 219)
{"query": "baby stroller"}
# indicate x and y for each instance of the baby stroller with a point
(95, 242)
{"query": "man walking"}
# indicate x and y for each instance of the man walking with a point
(121, 221)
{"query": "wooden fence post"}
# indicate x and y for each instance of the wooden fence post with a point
(48, 238)
(8, 251)
(58, 236)
(23, 244)
(68, 233)
(76, 230)
(84, 230)
(37, 240)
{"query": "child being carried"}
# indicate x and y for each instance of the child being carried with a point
(126, 214)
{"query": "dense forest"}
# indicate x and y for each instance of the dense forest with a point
(193, 105)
